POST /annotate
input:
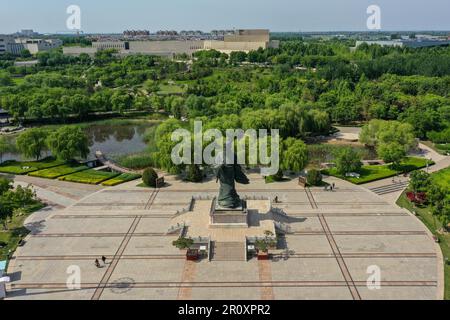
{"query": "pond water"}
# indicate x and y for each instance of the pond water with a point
(112, 140)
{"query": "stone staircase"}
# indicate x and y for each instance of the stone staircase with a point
(391, 188)
(228, 251)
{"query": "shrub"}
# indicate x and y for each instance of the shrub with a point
(90, 176)
(418, 198)
(194, 173)
(314, 177)
(276, 177)
(348, 160)
(149, 177)
(183, 243)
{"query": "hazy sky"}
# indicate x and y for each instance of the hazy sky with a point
(49, 16)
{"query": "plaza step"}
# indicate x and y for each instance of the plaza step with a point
(390, 188)
(228, 251)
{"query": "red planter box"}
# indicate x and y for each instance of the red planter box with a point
(263, 256)
(192, 255)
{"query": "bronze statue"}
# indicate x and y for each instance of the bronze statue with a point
(228, 174)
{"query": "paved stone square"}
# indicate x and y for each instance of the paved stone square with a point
(334, 237)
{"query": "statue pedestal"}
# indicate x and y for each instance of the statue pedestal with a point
(228, 218)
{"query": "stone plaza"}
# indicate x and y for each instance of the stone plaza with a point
(329, 242)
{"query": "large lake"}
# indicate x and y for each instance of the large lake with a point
(112, 140)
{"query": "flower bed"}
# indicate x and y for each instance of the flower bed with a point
(124, 177)
(89, 176)
(56, 172)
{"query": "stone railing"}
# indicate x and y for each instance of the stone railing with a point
(180, 228)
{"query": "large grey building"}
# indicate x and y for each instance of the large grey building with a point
(240, 40)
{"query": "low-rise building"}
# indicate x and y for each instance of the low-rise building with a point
(240, 40)
(10, 44)
(38, 45)
(410, 43)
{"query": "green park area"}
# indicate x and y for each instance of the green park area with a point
(435, 222)
(56, 172)
(442, 178)
(171, 89)
(369, 173)
(17, 167)
(90, 176)
(72, 171)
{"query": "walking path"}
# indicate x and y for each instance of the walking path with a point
(57, 194)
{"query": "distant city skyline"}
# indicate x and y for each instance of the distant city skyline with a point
(102, 16)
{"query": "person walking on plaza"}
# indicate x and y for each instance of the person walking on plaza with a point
(104, 259)
(97, 264)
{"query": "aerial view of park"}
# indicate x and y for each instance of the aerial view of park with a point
(116, 180)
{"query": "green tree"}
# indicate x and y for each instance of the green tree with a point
(183, 243)
(11, 200)
(391, 152)
(5, 79)
(294, 155)
(419, 181)
(162, 158)
(6, 212)
(5, 185)
(347, 160)
(194, 174)
(32, 143)
(314, 177)
(68, 142)
(435, 194)
(5, 147)
(378, 132)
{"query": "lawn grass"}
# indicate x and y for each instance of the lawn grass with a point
(16, 231)
(20, 168)
(444, 147)
(17, 81)
(56, 172)
(90, 176)
(424, 214)
(439, 148)
(442, 178)
(124, 177)
(378, 172)
(168, 89)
